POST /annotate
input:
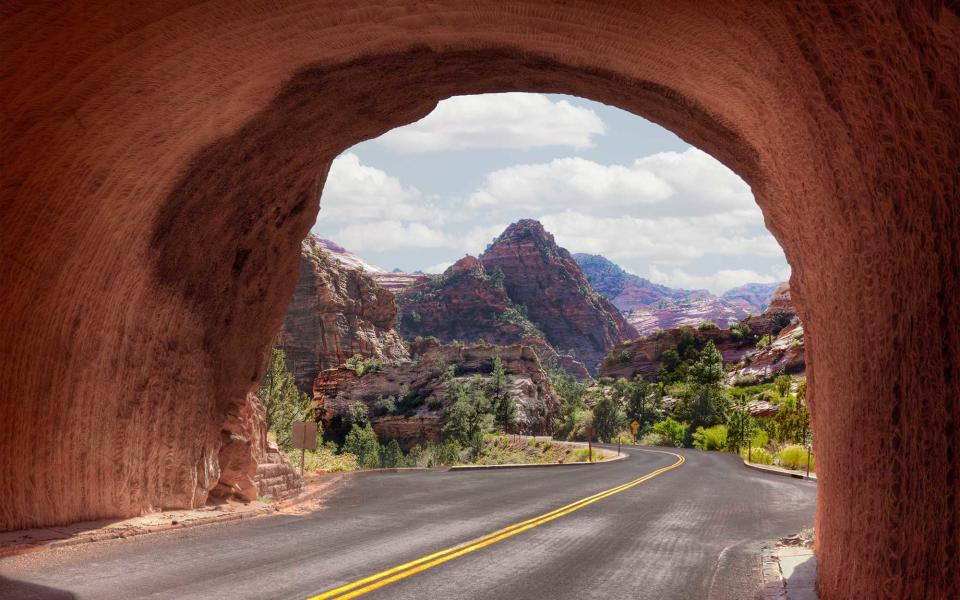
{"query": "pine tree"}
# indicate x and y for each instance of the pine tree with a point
(281, 399)
(498, 390)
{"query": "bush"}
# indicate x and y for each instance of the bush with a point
(360, 365)
(760, 439)
(324, 458)
(671, 432)
(362, 441)
(391, 456)
(712, 438)
(758, 456)
(794, 457)
(707, 326)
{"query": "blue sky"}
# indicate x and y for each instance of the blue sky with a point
(602, 180)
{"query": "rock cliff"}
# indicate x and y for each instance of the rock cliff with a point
(686, 314)
(752, 297)
(407, 400)
(337, 310)
(546, 281)
(738, 346)
(468, 304)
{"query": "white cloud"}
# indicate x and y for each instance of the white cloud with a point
(663, 184)
(437, 268)
(717, 283)
(356, 192)
(510, 120)
(377, 236)
(661, 240)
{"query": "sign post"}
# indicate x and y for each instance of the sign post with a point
(591, 431)
(634, 427)
(304, 436)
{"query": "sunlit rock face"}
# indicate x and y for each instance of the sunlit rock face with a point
(547, 282)
(338, 310)
(161, 165)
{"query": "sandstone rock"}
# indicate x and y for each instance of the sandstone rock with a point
(337, 310)
(419, 393)
(784, 355)
(466, 303)
(686, 314)
(558, 299)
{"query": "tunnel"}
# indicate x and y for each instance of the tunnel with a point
(162, 161)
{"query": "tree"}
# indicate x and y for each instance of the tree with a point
(282, 401)
(498, 390)
(638, 405)
(782, 385)
(707, 406)
(391, 456)
(362, 441)
(359, 413)
(671, 431)
(740, 426)
(708, 369)
(468, 418)
(608, 418)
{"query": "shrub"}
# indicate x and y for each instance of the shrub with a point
(711, 438)
(760, 439)
(758, 456)
(362, 441)
(707, 326)
(360, 365)
(671, 432)
(387, 406)
(794, 457)
(391, 456)
(764, 341)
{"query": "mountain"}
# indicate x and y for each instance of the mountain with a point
(752, 297)
(548, 285)
(468, 304)
(689, 314)
(337, 310)
(628, 291)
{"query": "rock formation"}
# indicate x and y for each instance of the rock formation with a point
(417, 391)
(337, 310)
(547, 283)
(736, 345)
(686, 314)
(751, 297)
(398, 281)
(468, 304)
(161, 165)
(631, 292)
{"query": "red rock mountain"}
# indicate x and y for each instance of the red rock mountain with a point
(686, 314)
(545, 281)
(337, 310)
(407, 401)
(752, 297)
(469, 304)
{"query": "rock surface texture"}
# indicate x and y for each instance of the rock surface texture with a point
(469, 304)
(338, 310)
(544, 280)
(162, 162)
(419, 392)
(686, 314)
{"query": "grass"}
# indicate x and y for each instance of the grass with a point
(794, 457)
(506, 450)
(323, 459)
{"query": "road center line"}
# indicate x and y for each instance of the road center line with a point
(394, 574)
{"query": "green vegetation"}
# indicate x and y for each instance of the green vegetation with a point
(360, 365)
(670, 432)
(794, 457)
(713, 438)
(281, 399)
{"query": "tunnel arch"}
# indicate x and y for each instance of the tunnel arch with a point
(163, 165)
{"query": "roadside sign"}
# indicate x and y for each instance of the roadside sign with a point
(304, 435)
(635, 427)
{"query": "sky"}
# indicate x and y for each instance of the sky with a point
(602, 180)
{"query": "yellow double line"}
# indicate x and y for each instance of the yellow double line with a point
(384, 578)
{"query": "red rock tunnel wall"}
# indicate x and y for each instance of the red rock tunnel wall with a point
(162, 161)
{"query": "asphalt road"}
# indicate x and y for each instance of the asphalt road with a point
(690, 532)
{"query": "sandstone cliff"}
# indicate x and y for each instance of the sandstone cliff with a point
(752, 297)
(738, 346)
(468, 304)
(416, 391)
(686, 314)
(337, 310)
(545, 279)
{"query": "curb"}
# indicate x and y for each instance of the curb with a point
(780, 472)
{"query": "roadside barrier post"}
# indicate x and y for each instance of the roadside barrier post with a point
(808, 462)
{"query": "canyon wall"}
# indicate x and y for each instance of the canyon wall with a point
(162, 163)
(338, 310)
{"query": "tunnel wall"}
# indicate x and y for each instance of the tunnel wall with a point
(162, 161)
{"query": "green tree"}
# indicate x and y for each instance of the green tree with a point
(281, 399)
(391, 456)
(362, 441)
(708, 369)
(498, 390)
(359, 413)
(782, 385)
(740, 426)
(608, 418)
(671, 431)
(468, 417)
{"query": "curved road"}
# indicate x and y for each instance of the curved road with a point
(690, 532)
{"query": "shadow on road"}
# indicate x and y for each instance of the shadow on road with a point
(21, 590)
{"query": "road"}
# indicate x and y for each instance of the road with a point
(689, 532)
